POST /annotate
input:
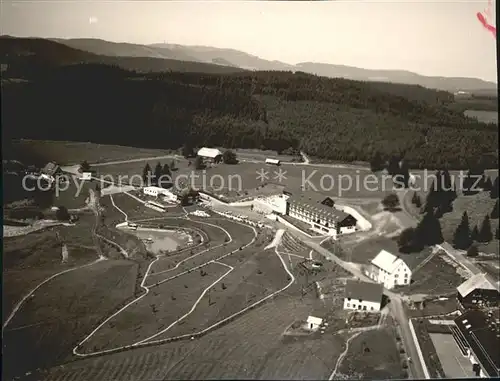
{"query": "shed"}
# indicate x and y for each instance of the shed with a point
(273, 161)
(313, 323)
(210, 153)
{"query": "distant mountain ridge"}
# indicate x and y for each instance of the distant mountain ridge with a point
(239, 59)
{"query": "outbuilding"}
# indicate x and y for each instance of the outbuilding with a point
(210, 154)
(273, 161)
(313, 323)
(363, 296)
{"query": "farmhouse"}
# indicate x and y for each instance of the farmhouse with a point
(313, 323)
(477, 291)
(321, 215)
(363, 296)
(389, 270)
(273, 161)
(478, 337)
(210, 154)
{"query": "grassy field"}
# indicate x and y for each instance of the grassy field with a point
(436, 307)
(28, 260)
(373, 355)
(258, 276)
(66, 153)
(48, 325)
(163, 305)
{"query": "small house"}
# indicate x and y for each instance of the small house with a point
(313, 323)
(273, 161)
(85, 176)
(389, 270)
(363, 296)
(210, 154)
(478, 291)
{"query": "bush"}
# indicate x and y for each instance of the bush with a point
(391, 202)
(62, 214)
(472, 251)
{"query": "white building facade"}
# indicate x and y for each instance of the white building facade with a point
(157, 191)
(322, 217)
(212, 154)
(363, 296)
(389, 270)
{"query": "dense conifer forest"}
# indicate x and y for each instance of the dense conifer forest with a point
(335, 119)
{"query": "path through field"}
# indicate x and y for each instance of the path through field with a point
(165, 278)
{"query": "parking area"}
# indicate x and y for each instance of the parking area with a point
(455, 365)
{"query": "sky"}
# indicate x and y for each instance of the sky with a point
(439, 38)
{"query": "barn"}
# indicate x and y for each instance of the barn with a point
(210, 154)
(363, 296)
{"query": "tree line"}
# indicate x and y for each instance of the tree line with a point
(439, 200)
(334, 119)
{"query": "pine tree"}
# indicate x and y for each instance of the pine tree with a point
(472, 251)
(431, 201)
(494, 212)
(428, 231)
(146, 174)
(449, 192)
(377, 162)
(407, 241)
(414, 198)
(165, 178)
(474, 235)
(173, 166)
(158, 172)
(485, 234)
(393, 166)
(487, 184)
(418, 202)
(494, 189)
(461, 238)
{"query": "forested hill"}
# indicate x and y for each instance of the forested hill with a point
(328, 118)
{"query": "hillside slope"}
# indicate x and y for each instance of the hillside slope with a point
(251, 62)
(335, 119)
(25, 56)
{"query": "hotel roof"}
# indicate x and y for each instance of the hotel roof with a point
(314, 205)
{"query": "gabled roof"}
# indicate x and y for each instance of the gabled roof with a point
(370, 292)
(314, 320)
(478, 281)
(209, 152)
(482, 337)
(386, 261)
(315, 205)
